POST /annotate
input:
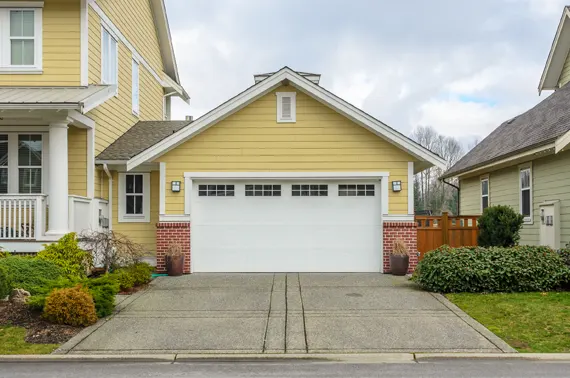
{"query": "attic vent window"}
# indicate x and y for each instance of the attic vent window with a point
(286, 107)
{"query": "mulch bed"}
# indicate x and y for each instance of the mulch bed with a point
(39, 330)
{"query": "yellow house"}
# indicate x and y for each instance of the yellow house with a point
(75, 75)
(285, 176)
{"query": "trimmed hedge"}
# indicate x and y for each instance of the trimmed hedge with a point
(29, 273)
(495, 269)
(72, 306)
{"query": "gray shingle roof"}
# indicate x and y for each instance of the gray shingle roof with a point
(138, 138)
(538, 126)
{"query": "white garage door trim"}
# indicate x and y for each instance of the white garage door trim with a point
(286, 176)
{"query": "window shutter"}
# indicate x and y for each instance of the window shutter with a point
(286, 107)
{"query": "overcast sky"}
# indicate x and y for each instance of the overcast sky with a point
(461, 66)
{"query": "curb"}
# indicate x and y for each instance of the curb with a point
(421, 357)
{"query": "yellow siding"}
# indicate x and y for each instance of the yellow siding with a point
(115, 117)
(135, 20)
(61, 48)
(143, 233)
(565, 75)
(77, 166)
(320, 140)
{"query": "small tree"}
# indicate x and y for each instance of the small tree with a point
(499, 226)
(111, 249)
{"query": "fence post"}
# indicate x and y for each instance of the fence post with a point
(445, 227)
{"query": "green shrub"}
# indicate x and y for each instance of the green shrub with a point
(565, 255)
(499, 226)
(125, 279)
(4, 253)
(141, 272)
(66, 254)
(495, 269)
(72, 306)
(29, 273)
(5, 284)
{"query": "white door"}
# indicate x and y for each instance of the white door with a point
(286, 226)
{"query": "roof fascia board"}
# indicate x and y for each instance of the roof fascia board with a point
(98, 98)
(545, 73)
(511, 159)
(303, 84)
(562, 143)
(169, 83)
(81, 120)
(165, 39)
(36, 106)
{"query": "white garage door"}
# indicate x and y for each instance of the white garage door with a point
(289, 226)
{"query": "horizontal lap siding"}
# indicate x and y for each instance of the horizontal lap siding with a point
(61, 48)
(565, 75)
(320, 140)
(469, 196)
(77, 166)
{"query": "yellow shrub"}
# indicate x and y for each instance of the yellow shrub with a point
(72, 306)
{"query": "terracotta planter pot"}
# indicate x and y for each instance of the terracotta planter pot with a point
(399, 264)
(175, 265)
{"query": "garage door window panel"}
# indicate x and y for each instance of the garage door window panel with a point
(218, 190)
(356, 190)
(262, 190)
(310, 190)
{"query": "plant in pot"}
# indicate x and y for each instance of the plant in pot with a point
(175, 260)
(399, 258)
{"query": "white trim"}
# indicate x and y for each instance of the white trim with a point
(20, 71)
(135, 90)
(384, 192)
(21, 4)
(174, 218)
(256, 91)
(5, 55)
(530, 219)
(145, 216)
(284, 175)
(280, 96)
(481, 195)
(162, 193)
(112, 37)
(165, 39)
(84, 25)
(110, 194)
(562, 143)
(82, 120)
(556, 57)
(188, 196)
(411, 188)
(99, 98)
(91, 163)
(23, 247)
(398, 218)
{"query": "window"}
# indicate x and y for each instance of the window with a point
(30, 164)
(310, 190)
(526, 193)
(134, 197)
(216, 190)
(263, 190)
(135, 88)
(109, 58)
(286, 107)
(3, 164)
(484, 193)
(20, 39)
(358, 190)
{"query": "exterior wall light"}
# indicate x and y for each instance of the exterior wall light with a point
(396, 186)
(175, 186)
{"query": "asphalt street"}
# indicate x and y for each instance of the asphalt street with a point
(440, 368)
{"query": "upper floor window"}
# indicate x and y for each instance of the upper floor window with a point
(135, 88)
(484, 193)
(20, 40)
(286, 107)
(525, 180)
(109, 58)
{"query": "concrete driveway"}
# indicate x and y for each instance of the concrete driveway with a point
(285, 313)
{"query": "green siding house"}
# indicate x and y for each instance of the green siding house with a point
(525, 162)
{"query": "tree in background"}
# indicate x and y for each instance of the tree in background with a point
(429, 192)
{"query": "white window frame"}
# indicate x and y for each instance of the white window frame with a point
(135, 87)
(280, 96)
(13, 161)
(134, 218)
(112, 37)
(488, 195)
(527, 219)
(5, 46)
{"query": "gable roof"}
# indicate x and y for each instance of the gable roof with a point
(557, 55)
(165, 39)
(540, 126)
(140, 137)
(426, 158)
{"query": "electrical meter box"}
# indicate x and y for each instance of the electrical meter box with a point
(550, 223)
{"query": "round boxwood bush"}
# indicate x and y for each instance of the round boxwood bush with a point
(495, 269)
(499, 226)
(72, 306)
(28, 273)
(5, 284)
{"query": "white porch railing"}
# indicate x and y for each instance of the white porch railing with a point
(22, 216)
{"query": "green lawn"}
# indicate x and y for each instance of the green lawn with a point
(529, 322)
(12, 342)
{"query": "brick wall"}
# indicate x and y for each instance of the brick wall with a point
(172, 232)
(407, 231)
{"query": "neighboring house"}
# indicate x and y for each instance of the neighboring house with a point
(285, 176)
(525, 162)
(75, 75)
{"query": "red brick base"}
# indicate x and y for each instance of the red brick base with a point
(168, 233)
(407, 231)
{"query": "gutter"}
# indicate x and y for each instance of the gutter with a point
(106, 169)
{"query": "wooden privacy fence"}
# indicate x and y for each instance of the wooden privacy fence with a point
(435, 231)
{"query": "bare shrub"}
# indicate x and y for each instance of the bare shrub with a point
(111, 249)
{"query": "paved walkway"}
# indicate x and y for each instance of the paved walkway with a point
(287, 313)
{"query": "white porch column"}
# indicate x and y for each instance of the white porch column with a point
(58, 180)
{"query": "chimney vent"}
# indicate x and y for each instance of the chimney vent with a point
(189, 118)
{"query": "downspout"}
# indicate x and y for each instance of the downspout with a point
(106, 169)
(168, 105)
(458, 198)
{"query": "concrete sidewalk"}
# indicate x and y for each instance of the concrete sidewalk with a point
(285, 314)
